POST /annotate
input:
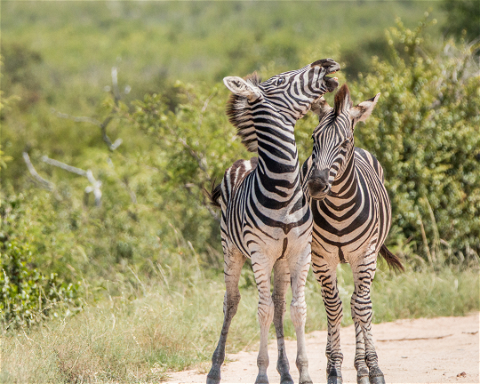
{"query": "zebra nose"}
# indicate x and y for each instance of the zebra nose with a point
(317, 184)
(320, 177)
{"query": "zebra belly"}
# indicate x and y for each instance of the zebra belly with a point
(274, 242)
(338, 252)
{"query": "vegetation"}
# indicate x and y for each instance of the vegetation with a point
(436, 183)
(127, 284)
(465, 18)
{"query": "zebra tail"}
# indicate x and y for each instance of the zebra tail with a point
(215, 195)
(391, 259)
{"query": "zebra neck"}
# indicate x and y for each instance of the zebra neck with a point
(277, 151)
(345, 186)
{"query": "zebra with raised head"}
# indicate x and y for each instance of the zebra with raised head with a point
(352, 215)
(265, 215)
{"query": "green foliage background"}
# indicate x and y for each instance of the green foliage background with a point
(154, 241)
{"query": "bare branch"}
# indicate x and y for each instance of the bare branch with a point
(116, 93)
(133, 196)
(204, 108)
(203, 202)
(77, 119)
(200, 160)
(64, 166)
(102, 124)
(95, 184)
(95, 188)
(202, 164)
(205, 105)
(116, 144)
(43, 183)
(212, 212)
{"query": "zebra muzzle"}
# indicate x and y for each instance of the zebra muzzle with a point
(318, 185)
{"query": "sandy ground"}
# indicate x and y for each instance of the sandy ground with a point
(440, 350)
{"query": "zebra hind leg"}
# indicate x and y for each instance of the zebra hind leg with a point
(234, 261)
(326, 275)
(281, 278)
(298, 309)
(363, 274)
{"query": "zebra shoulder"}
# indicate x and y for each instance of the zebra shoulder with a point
(370, 160)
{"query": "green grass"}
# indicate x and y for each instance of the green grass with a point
(172, 326)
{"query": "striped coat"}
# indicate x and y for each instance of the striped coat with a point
(265, 215)
(352, 217)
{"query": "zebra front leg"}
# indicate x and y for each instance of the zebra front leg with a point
(233, 263)
(298, 310)
(363, 274)
(281, 280)
(360, 364)
(326, 274)
(262, 269)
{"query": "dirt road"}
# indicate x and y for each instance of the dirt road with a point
(441, 350)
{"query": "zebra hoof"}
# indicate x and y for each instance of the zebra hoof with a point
(286, 379)
(334, 380)
(261, 379)
(363, 380)
(377, 380)
(305, 380)
(213, 377)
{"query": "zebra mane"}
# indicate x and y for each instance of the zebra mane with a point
(238, 112)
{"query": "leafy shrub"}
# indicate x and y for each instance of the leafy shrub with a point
(424, 131)
(464, 18)
(195, 144)
(27, 294)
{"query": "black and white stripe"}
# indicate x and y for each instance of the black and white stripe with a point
(265, 215)
(352, 217)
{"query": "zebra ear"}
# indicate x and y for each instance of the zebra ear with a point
(343, 102)
(240, 87)
(320, 107)
(362, 111)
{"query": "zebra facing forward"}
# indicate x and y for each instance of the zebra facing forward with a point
(265, 215)
(352, 216)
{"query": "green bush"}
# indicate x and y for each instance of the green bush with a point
(464, 18)
(28, 295)
(424, 131)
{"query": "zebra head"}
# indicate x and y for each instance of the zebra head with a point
(289, 94)
(333, 141)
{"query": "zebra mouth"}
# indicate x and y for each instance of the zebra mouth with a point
(331, 66)
(317, 190)
(318, 196)
(332, 82)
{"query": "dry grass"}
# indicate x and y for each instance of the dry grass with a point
(165, 328)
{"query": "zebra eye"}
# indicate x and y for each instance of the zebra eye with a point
(280, 81)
